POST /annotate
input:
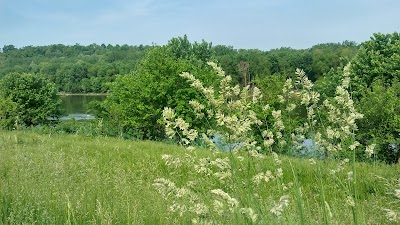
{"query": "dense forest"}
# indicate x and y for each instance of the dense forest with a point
(74, 69)
(88, 69)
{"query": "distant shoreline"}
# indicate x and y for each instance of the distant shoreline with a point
(84, 94)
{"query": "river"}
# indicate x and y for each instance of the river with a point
(74, 106)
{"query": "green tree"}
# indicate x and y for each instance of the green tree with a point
(381, 122)
(376, 58)
(327, 83)
(271, 87)
(331, 55)
(8, 48)
(137, 99)
(376, 73)
(33, 96)
(68, 66)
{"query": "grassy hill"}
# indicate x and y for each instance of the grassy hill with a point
(70, 179)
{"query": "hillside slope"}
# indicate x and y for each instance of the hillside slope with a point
(70, 179)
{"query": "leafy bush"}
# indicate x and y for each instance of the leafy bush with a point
(375, 73)
(381, 122)
(376, 58)
(34, 99)
(8, 113)
(136, 100)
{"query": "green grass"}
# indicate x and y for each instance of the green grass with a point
(70, 179)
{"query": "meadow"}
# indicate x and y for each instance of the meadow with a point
(72, 179)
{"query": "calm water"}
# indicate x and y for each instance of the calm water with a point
(75, 106)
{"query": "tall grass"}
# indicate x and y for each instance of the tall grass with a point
(330, 125)
(70, 179)
(49, 179)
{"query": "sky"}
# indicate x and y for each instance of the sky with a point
(247, 24)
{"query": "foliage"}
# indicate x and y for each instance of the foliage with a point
(330, 55)
(376, 73)
(377, 58)
(271, 88)
(326, 84)
(381, 122)
(8, 113)
(136, 99)
(34, 99)
(83, 69)
(285, 60)
(315, 61)
(74, 68)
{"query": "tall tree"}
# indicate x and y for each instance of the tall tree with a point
(8, 48)
(137, 99)
(377, 58)
(376, 73)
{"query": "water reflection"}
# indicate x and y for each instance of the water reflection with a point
(77, 116)
(74, 106)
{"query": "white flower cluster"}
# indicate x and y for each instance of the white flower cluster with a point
(267, 176)
(230, 110)
(393, 215)
(280, 206)
(397, 193)
(216, 68)
(172, 161)
(249, 213)
(225, 202)
(297, 93)
(369, 150)
(219, 168)
(183, 199)
(278, 120)
(198, 108)
(268, 138)
(340, 166)
(342, 118)
(350, 201)
(303, 79)
(178, 126)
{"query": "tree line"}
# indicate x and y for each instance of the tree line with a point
(74, 69)
(89, 69)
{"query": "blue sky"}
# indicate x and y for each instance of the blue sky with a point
(262, 24)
